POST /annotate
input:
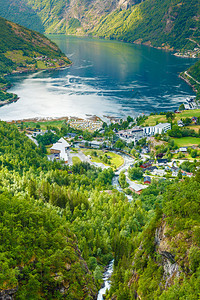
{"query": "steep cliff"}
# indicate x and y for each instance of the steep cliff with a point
(167, 24)
(166, 261)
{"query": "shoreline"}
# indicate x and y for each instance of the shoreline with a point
(64, 118)
(188, 82)
(23, 71)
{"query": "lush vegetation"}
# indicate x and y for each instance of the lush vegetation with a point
(155, 118)
(169, 241)
(49, 203)
(24, 50)
(61, 225)
(39, 254)
(194, 71)
(159, 23)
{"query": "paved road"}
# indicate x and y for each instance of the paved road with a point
(186, 73)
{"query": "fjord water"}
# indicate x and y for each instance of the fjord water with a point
(106, 78)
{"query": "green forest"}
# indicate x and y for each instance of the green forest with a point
(166, 24)
(61, 225)
(194, 71)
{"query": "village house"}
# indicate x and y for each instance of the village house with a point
(137, 188)
(161, 161)
(131, 135)
(146, 165)
(158, 172)
(59, 149)
(151, 168)
(36, 133)
(194, 119)
(70, 135)
(180, 123)
(174, 171)
(183, 149)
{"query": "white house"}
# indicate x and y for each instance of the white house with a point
(60, 148)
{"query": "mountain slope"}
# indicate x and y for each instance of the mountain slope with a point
(40, 258)
(166, 261)
(159, 23)
(194, 77)
(166, 24)
(24, 50)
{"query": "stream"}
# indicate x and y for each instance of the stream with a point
(106, 278)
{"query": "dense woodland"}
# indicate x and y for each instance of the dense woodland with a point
(60, 227)
(194, 71)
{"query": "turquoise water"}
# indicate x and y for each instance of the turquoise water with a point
(106, 78)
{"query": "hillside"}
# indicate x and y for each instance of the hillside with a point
(166, 261)
(58, 226)
(24, 50)
(40, 258)
(61, 225)
(192, 76)
(167, 24)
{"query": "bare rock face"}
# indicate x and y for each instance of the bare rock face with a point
(89, 12)
(8, 294)
(170, 267)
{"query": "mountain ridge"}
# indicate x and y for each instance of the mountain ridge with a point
(166, 24)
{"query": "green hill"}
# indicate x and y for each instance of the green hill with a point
(166, 24)
(192, 76)
(22, 50)
(165, 262)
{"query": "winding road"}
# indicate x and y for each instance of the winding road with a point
(186, 73)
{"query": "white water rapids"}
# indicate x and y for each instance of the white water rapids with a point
(106, 279)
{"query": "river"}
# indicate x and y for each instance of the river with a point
(106, 279)
(106, 78)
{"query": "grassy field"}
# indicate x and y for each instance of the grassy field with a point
(76, 160)
(196, 128)
(41, 65)
(153, 120)
(186, 141)
(115, 159)
(44, 124)
(17, 56)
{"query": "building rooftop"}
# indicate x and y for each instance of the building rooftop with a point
(64, 143)
(162, 125)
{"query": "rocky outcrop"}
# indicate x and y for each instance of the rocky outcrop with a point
(170, 267)
(8, 294)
